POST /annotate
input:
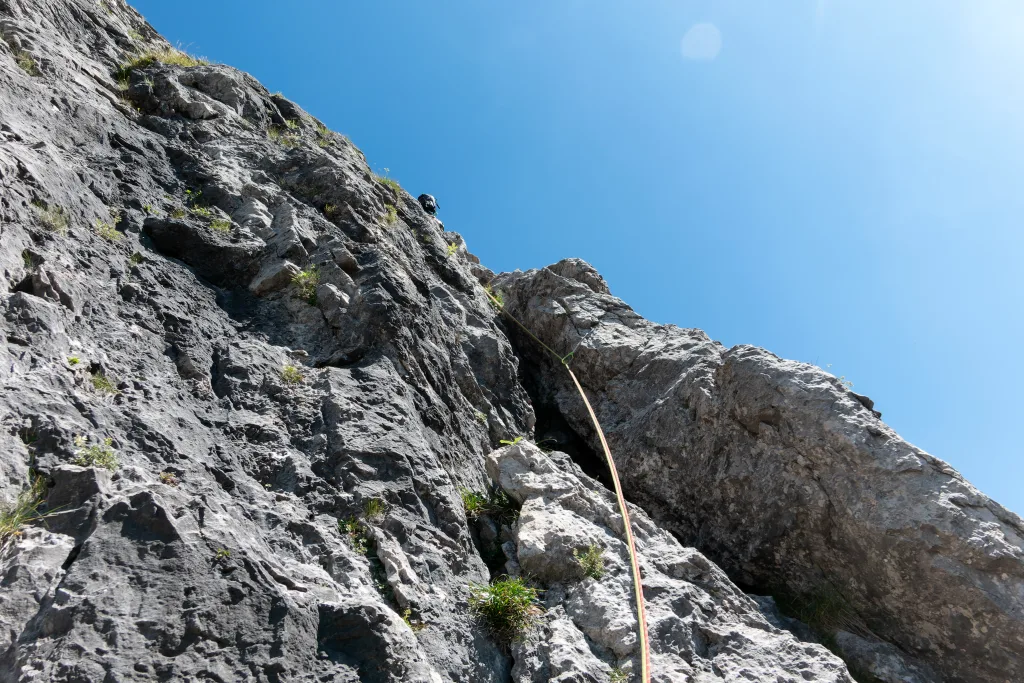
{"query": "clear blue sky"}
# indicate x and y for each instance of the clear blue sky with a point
(839, 182)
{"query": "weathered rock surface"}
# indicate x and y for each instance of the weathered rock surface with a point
(702, 627)
(786, 479)
(295, 388)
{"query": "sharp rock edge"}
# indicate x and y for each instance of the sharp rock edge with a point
(198, 271)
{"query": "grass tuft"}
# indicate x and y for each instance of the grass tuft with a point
(168, 55)
(220, 225)
(355, 532)
(53, 218)
(95, 455)
(102, 383)
(390, 215)
(375, 509)
(26, 63)
(412, 622)
(292, 374)
(109, 231)
(591, 561)
(306, 281)
(388, 182)
(617, 675)
(495, 298)
(324, 136)
(25, 509)
(496, 504)
(74, 360)
(169, 478)
(508, 606)
(284, 138)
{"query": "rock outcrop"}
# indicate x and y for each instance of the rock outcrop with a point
(788, 480)
(247, 384)
(703, 627)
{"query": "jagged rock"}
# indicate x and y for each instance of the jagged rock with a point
(288, 503)
(783, 476)
(701, 626)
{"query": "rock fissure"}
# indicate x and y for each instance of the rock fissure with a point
(292, 459)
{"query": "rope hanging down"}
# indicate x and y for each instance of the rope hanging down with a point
(638, 591)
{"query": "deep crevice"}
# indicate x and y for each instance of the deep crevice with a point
(553, 431)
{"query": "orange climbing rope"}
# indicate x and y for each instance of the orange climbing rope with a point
(638, 590)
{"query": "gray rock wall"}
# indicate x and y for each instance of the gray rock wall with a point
(292, 376)
(786, 478)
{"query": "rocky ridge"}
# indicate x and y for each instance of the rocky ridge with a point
(294, 375)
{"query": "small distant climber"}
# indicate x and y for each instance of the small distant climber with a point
(428, 203)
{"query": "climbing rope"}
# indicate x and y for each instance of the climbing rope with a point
(638, 591)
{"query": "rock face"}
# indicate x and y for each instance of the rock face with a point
(255, 382)
(788, 480)
(703, 627)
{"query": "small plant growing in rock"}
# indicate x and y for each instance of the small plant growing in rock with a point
(323, 135)
(474, 503)
(617, 675)
(74, 360)
(26, 63)
(508, 606)
(375, 509)
(95, 455)
(25, 509)
(306, 281)
(136, 259)
(413, 623)
(292, 124)
(330, 210)
(388, 182)
(292, 374)
(452, 249)
(220, 225)
(496, 504)
(136, 36)
(169, 56)
(149, 210)
(591, 561)
(28, 259)
(102, 383)
(481, 417)
(496, 298)
(353, 530)
(53, 218)
(283, 137)
(108, 231)
(842, 379)
(390, 215)
(169, 478)
(221, 555)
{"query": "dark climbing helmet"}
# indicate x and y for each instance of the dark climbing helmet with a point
(428, 203)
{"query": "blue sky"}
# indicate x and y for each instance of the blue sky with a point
(838, 182)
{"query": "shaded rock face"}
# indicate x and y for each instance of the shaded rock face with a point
(788, 480)
(294, 376)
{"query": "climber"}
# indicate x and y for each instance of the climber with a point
(428, 203)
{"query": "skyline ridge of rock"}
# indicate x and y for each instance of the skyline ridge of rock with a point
(256, 382)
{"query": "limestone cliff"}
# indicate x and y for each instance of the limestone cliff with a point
(247, 384)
